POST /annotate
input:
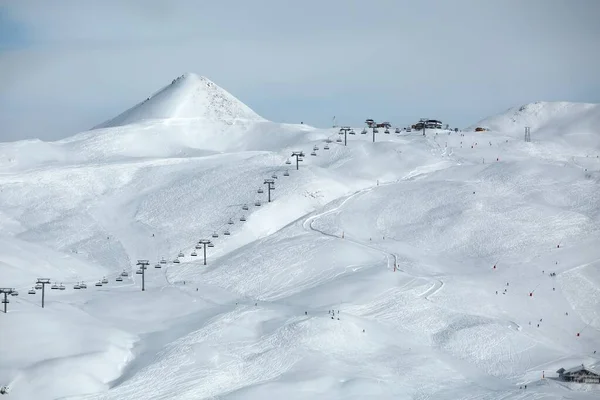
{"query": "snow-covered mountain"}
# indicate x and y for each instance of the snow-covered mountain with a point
(570, 123)
(451, 266)
(189, 96)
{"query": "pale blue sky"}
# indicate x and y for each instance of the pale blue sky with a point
(68, 65)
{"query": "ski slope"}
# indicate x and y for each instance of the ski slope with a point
(434, 253)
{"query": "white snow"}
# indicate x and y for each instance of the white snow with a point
(400, 236)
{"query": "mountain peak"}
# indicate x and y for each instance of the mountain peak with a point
(189, 96)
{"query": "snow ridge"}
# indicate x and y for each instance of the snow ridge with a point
(542, 114)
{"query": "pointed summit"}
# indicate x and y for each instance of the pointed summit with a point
(188, 96)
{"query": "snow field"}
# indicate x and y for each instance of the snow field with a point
(388, 233)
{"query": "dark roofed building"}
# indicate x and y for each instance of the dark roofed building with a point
(579, 374)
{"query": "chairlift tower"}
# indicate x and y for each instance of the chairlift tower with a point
(424, 122)
(6, 292)
(527, 134)
(204, 242)
(344, 131)
(269, 183)
(43, 282)
(143, 264)
(297, 154)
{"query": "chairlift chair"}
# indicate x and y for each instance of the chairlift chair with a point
(326, 147)
(387, 131)
(180, 254)
(31, 291)
(327, 140)
(352, 132)
(286, 173)
(38, 286)
(242, 218)
(226, 233)
(99, 283)
(163, 261)
(397, 130)
(104, 280)
(157, 266)
(124, 273)
(194, 254)
(215, 235)
(315, 148)
(313, 154)
(82, 285)
(211, 245)
(61, 287)
(339, 140)
(274, 176)
(76, 286)
(119, 278)
(257, 204)
(14, 293)
(260, 190)
(176, 261)
(198, 246)
(54, 286)
(230, 222)
(288, 162)
(245, 207)
(139, 271)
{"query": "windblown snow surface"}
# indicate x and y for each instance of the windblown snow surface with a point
(398, 237)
